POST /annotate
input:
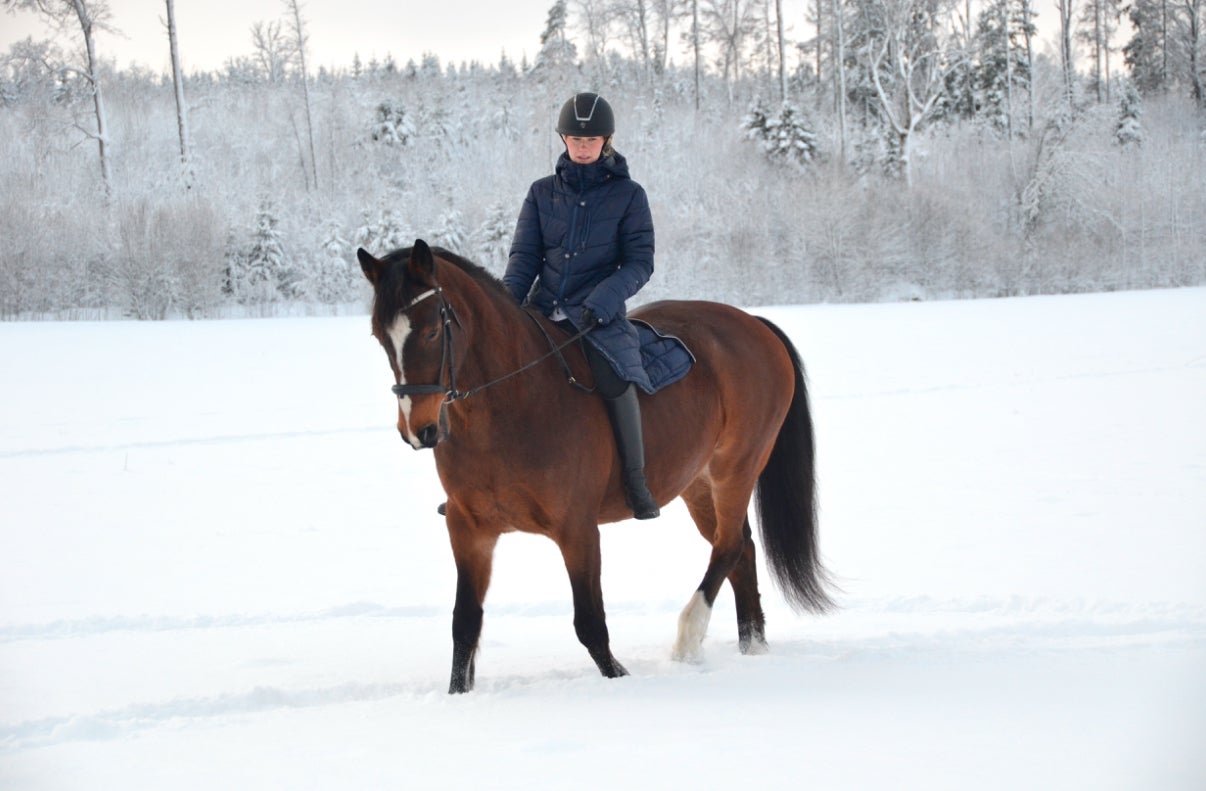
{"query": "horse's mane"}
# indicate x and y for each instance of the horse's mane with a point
(395, 291)
(476, 271)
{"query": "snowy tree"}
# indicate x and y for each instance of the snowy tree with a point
(785, 137)
(88, 17)
(909, 59)
(1128, 132)
(392, 125)
(391, 235)
(273, 51)
(1098, 23)
(450, 232)
(1002, 67)
(494, 237)
(1147, 53)
(557, 52)
(329, 278)
(186, 168)
(298, 41)
(260, 274)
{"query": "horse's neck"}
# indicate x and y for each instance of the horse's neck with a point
(502, 337)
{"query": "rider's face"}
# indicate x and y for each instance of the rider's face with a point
(583, 150)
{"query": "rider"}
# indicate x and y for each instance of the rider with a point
(583, 245)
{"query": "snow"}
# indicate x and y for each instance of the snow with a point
(220, 567)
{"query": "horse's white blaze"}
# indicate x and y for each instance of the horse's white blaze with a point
(692, 626)
(398, 332)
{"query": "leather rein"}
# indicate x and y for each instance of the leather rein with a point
(451, 392)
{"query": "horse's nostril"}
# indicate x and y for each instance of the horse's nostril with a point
(429, 435)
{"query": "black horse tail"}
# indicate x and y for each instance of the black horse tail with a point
(786, 501)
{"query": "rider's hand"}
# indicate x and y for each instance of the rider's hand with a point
(589, 319)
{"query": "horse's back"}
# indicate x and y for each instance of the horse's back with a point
(735, 397)
(725, 339)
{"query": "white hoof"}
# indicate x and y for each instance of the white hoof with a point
(692, 627)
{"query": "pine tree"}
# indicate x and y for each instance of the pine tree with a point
(785, 137)
(1002, 70)
(450, 231)
(392, 125)
(261, 269)
(494, 237)
(390, 233)
(331, 278)
(1128, 132)
(557, 52)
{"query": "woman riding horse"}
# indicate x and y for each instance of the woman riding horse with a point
(583, 245)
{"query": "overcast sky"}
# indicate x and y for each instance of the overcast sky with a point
(211, 31)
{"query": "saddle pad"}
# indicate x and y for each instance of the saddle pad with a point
(665, 358)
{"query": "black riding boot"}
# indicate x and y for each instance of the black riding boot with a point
(625, 412)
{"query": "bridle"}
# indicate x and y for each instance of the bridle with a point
(450, 391)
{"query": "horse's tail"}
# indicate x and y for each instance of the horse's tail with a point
(786, 500)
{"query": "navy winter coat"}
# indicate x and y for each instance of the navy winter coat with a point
(584, 239)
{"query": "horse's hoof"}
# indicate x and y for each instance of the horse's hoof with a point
(756, 647)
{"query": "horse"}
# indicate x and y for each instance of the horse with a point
(526, 446)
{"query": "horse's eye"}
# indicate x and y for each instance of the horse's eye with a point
(432, 334)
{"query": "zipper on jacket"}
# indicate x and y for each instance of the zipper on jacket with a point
(569, 252)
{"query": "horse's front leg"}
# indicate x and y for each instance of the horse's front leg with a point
(583, 561)
(473, 551)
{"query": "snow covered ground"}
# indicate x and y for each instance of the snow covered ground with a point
(221, 568)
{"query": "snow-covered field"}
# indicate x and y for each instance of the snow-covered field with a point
(221, 568)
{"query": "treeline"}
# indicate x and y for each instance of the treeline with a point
(898, 154)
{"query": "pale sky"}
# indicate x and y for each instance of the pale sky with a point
(210, 31)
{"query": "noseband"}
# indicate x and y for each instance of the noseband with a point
(448, 362)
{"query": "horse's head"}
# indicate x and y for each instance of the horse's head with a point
(411, 320)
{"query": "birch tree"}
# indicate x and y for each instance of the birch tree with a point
(299, 41)
(909, 59)
(181, 107)
(1065, 8)
(86, 17)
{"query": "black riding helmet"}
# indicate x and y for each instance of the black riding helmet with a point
(586, 115)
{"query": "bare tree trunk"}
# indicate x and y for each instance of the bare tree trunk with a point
(782, 56)
(86, 19)
(840, 75)
(1098, 49)
(181, 107)
(300, 40)
(1192, 43)
(695, 46)
(1065, 46)
(1008, 76)
(820, 13)
(1029, 66)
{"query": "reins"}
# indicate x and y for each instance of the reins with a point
(448, 361)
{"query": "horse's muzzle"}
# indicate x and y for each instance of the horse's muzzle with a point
(429, 435)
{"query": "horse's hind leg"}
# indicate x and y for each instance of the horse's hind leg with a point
(732, 558)
(583, 561)
(751, 623)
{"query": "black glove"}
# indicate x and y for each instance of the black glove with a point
(589, 319)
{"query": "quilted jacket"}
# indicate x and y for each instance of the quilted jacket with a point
(584, 239)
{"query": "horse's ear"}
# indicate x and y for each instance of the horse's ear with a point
(373, 267)
(422, 264)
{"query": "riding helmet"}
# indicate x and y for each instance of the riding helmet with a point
(586, 115)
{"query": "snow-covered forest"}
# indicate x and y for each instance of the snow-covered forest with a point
(901, 149)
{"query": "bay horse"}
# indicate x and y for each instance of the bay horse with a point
(522, 449)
